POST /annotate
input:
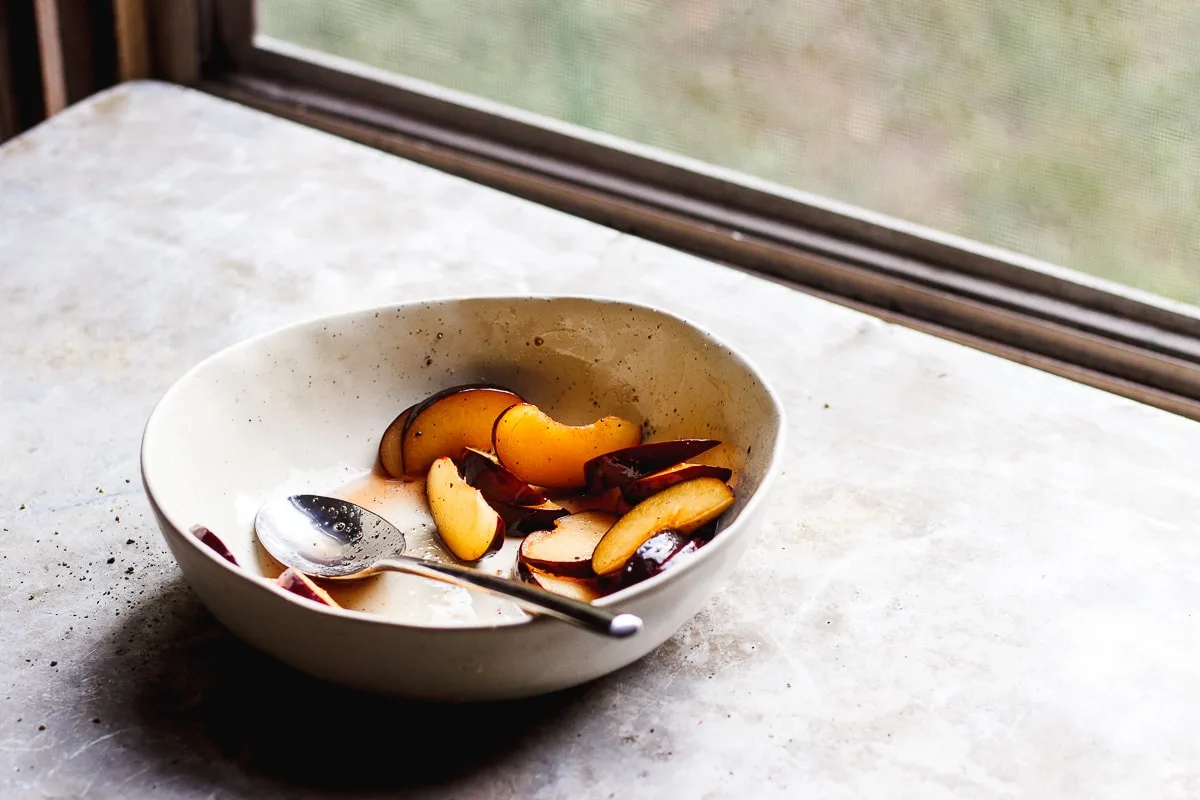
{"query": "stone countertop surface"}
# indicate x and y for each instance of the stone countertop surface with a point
(974, 580)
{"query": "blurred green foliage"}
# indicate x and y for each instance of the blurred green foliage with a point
(1063, 129)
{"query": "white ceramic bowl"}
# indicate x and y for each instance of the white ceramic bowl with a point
(302, 409)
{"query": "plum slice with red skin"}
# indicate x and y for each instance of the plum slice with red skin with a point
(212, 540)
(527, 519)
(441, 425)
(300, 584)
(620, 467)
(684, 507)
(467, 525)
(639, 490)
(705, 533)
(567, 548)
(584, 589)
(544, 452)
(656, 555)
(497, 484)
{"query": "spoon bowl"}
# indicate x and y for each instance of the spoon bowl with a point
(326, 537)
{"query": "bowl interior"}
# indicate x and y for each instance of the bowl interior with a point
(303, 408)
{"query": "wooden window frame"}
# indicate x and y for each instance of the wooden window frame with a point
(21, 103)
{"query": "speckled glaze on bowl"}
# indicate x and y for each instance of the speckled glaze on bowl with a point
(284, 408)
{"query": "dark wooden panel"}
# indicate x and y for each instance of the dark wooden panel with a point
(78, 50)
(231, 38)
(134, 58)
(176, 34)
(21, 103)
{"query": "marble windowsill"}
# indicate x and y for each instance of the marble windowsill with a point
(975, 579)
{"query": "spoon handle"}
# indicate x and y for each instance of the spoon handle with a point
(595, 619)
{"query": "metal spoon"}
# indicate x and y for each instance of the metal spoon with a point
(330, 538)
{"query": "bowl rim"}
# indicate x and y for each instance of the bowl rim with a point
(646, 587)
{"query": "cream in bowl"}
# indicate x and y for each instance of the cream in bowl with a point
(308, 409)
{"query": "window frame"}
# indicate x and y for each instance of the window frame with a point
(1105, 334)
(21, 104)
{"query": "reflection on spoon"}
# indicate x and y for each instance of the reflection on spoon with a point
(326, 537)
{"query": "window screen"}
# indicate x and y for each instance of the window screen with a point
(1068, 130)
